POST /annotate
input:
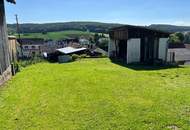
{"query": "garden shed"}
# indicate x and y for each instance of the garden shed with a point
(138, 44)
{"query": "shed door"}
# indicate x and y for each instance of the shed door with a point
(133, 50)
(163, 48)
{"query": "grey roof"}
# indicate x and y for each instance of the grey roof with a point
(69, 50)
(31, 41)
(124, 27)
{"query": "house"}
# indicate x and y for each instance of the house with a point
(31, 47)
(5, 64)
(84, 41)
(133, 44)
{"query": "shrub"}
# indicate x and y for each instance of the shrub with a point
(75, 57)
(26, 62)
(84, 56)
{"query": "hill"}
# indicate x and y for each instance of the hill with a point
(57, 27)
(81, 27)
(58, 35)
(170, 28)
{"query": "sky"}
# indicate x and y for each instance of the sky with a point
(135, 12)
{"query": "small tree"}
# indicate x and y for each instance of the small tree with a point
(187, 38)
(177, 38)
(103, 44)
(180, 36)
(96, 38)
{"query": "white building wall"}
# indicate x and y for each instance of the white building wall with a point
(163, 47)
(178, 54)
(133, 50)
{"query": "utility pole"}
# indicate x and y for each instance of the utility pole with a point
(18, 32)
(17, 26)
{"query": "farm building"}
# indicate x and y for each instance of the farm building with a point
(5, 65)
(138, 44)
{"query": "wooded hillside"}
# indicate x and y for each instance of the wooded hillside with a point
(57, 27)
(86, 26)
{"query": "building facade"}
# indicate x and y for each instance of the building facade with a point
(31, 47)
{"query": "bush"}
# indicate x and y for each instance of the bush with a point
(26, 62)
(75, 57)
(84, 56)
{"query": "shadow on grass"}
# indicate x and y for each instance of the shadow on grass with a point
(143, 66)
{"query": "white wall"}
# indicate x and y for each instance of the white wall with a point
(163, 47)
(133, 50)
(181, 54)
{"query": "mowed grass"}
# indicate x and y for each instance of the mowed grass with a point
(58, 35)
(96, 94)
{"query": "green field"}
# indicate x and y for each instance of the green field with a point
(58, 35)
(96, 94)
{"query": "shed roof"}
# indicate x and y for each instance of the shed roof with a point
(69, 50)
(121, 28)
(12, 1)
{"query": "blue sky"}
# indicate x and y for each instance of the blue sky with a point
(136, 12)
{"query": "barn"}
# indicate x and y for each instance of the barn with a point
(134, 44)
(5, 67)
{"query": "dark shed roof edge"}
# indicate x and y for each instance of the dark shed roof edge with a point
(137, 27)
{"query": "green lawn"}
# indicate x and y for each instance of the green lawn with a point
(96, 94)
(58, 35)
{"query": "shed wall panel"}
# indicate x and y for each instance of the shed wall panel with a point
(133, 50)
(163, 46)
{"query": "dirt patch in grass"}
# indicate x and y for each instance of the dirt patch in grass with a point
(173, 127)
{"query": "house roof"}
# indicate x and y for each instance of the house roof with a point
(31, 41)
(69, 50)
(12, 1)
